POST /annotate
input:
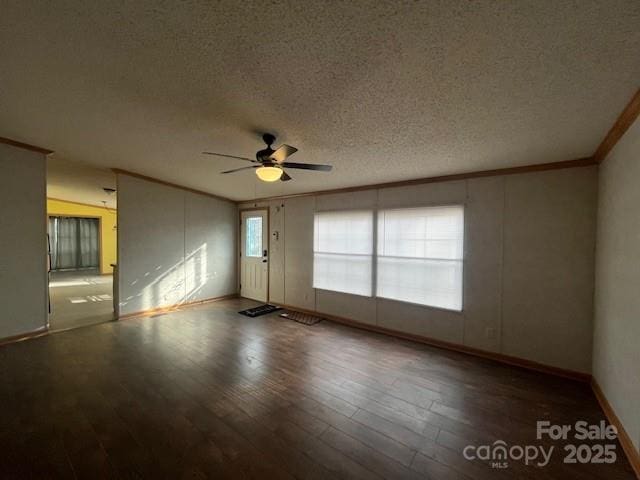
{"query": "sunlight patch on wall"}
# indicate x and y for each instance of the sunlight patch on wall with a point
(196, 274)
(174, 286)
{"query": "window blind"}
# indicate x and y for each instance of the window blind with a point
(420, 252)
(343, 252)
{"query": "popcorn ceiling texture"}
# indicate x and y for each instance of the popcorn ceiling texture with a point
(78, 182)
(383, 90)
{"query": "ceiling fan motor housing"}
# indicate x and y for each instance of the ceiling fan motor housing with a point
(268, 139)
(263, 155)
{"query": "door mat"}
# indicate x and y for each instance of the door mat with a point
(261, 310)
(303, 318)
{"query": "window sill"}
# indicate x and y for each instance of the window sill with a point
(422, 305)
(343, 293)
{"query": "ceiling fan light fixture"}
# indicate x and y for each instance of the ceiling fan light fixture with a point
(269, 174)
(269, 164)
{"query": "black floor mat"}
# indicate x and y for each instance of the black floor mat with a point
(261, 310)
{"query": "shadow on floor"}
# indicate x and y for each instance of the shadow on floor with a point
(80, 298)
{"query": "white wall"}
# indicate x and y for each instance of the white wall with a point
(174, 246)
(616, 359)
(23, 241)
(528, 278)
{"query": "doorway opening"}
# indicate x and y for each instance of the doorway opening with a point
(81, 231)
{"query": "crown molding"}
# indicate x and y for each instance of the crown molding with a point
(119, 171)
(619, 128)
(26, 146)
(580, 162)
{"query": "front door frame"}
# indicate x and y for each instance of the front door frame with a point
(240, 212)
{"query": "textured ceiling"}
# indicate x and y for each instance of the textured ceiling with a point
(383, 90)
(78, 182)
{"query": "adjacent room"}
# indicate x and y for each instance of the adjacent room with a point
(320, 240)
(82, 243)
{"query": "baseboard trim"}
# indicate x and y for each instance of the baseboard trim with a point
(38, 332)
(497, 357)
(633, 455)
(174, 308)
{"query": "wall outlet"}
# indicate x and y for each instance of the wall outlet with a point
(491, 333)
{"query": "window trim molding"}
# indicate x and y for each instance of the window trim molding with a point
(373, 247)
(431, 307)
(463, 260)
(372, 297)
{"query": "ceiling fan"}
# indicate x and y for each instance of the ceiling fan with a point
(270, 163)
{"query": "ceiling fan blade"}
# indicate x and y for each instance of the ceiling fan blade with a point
(229, 156)
(282, 153)
(285, 177)
(241, 168)
(307, 166)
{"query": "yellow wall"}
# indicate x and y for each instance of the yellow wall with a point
(108, 223)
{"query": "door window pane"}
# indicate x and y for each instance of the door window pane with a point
(253, 237)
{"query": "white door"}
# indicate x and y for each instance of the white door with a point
(254, 260)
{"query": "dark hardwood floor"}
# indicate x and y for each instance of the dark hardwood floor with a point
(207, 393)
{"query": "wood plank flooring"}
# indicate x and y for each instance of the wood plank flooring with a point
(79, 299)
(207, 393)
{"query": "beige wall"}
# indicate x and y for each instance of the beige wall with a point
(174, 246)
(528, 278)
(616, 358)
(23, 241)
(548, 269)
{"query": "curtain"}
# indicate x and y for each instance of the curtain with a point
(74, 243)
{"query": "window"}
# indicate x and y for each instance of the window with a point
(343, 252)
(74, 242)
(253, 237)
(420, 255)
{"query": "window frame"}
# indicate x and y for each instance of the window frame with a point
(374, 256)
(246, 233)
(462, 261)
(374, 218)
